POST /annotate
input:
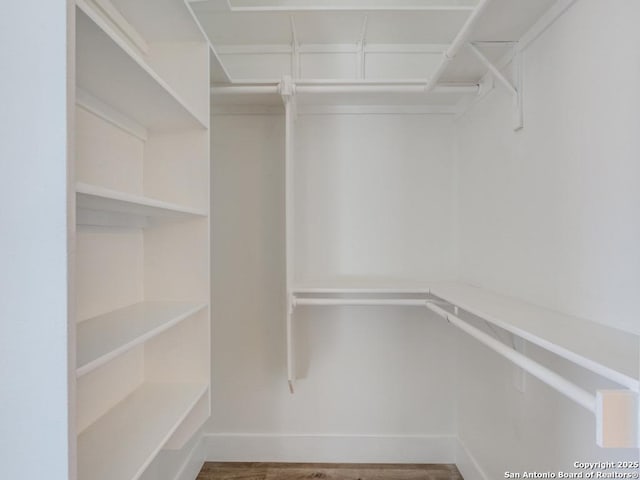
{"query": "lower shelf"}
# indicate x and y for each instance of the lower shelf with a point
(122, 443)
(104, 337)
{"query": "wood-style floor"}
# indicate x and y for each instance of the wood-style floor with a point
(327, 471)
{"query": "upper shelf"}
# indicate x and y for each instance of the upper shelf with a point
(604, 350)
(248, 27)
(366, 39)
(101, 206)
(111, 70)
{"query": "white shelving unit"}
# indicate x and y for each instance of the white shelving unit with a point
(142, 234)
(126, 439)
(610, 353)
(104, 337)
(407, 297)
(606, 351)
(121, 78)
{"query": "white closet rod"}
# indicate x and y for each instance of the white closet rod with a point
(388, 302)
(301, 87)
(382, 88)
(457, 44)
(571, 390)
(271, 89)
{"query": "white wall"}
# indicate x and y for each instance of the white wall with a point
(377, 384)
(34, 355)
(555, 206)
(373, 199)
(550, 215)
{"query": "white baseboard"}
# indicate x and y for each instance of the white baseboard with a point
(234, 447)
(193, 464)
(467, 464)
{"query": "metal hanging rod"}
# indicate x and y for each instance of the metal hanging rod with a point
(311, 87)
(245, 89)
(381, 302)
(542, 373)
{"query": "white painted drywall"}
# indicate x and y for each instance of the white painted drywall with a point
(384, 376)
(373, 199)
(34, 354)
(550, 214)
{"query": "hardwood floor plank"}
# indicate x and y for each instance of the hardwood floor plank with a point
(327, 471)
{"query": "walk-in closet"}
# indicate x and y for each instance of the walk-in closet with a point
(288, 239)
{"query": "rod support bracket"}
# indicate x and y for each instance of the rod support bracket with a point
(291, 304)
(515, 87)
(287, 88)
(518, 75)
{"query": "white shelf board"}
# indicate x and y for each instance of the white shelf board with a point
(123, 442)
(257, 26)
(102, 338)
(503, 21)
(508, 20)
(362, 284)
(360, 290)
(374, 296)
(91, 198)
(604, 350)
(171, 20)
(111, 70)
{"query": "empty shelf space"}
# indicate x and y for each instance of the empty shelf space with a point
(92, 200)
(122, 443)
(112, 71)
(604, 350)
(104, 337)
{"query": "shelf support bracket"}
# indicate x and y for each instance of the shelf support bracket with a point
(287, 90)
(361, 58)
(295, 50)
(514, 89)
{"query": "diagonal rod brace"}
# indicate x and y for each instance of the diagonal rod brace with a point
(493, 69)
